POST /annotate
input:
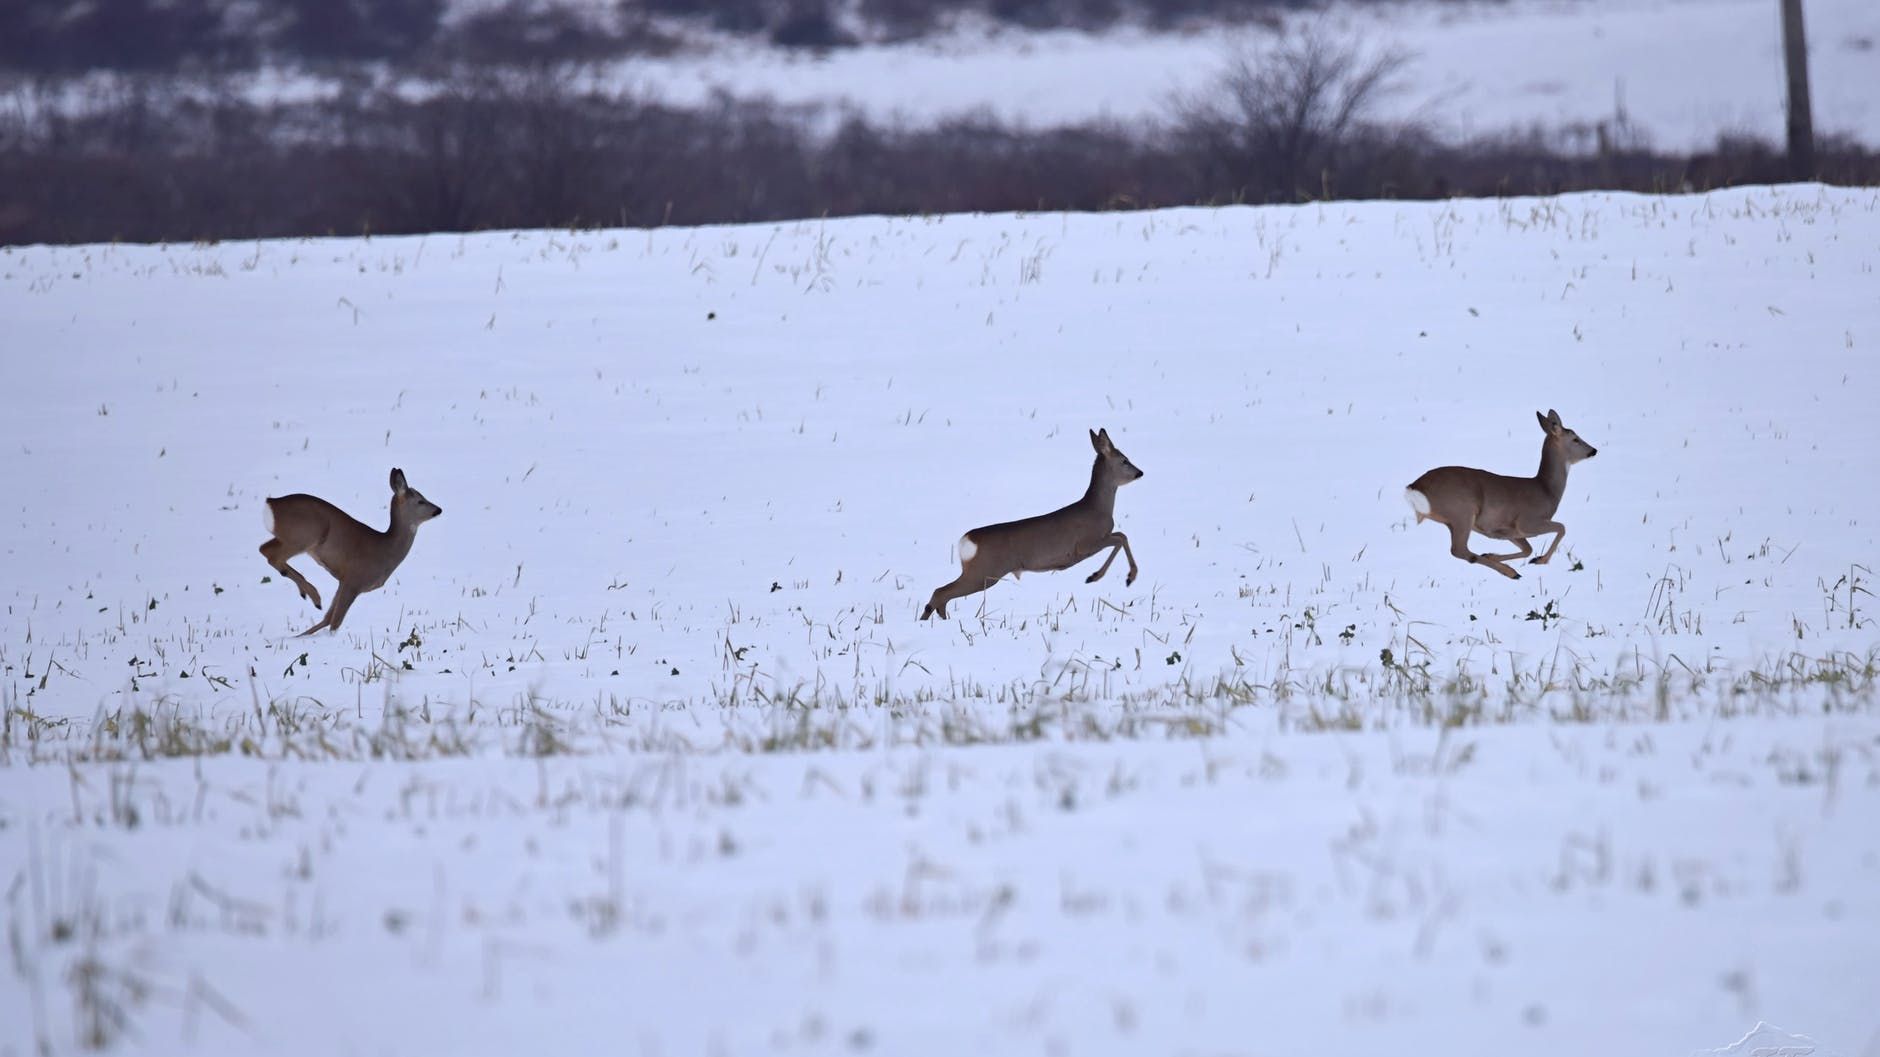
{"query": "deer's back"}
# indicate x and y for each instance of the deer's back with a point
(317, 526)
(1064, 518)
(1045, 541)
(1483, 492)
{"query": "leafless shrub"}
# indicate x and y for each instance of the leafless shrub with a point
(1275, 125)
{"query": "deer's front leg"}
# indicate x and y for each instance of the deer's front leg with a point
(1560, 533)
(343, 596)
(1130, 555)
(1117, 542)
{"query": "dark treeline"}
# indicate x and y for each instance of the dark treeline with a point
(491, 126)
(150, 163)
(76, 36)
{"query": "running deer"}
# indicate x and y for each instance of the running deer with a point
(1048, 542)
(1503, 508)
(361, 558)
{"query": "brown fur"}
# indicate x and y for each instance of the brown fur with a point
(1501, 507)
(360, 558)
(1048, 542)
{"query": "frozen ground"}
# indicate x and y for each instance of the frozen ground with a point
(643, 749)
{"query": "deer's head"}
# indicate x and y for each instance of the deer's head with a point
(409, 507)
(1115, 465)
(1569, 442)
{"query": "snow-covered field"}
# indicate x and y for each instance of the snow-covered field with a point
(644, 750)
(1682, 71)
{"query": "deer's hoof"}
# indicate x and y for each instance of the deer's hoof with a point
(1130, 579)
(1537, 561)
(1091, 579)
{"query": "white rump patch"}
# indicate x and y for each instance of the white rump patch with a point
(967, 548)
(1418, 502)
(267, 516)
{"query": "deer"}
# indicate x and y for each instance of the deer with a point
(1499, 507)
(1048, 542)
(360, 557)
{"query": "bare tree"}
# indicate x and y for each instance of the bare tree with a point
(554, 142)
(1273, 124)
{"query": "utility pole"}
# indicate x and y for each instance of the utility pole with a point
(1801, 120)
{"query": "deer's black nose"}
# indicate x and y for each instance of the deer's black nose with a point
(440, 512)
(1590, 452)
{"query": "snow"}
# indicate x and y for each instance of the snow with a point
(643, 747)
(1683, 72)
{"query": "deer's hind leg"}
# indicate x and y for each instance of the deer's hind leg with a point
(937, 603)
(1519, 541)
(972, 580)
(276, 551)
(1459, 546)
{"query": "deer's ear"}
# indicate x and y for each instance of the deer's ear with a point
(398, 480)
(1553, 419)
(1096, 440)
(1542, 419)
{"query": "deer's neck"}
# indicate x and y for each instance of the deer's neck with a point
(1100, 497)
(399, 538)
(1553, 474)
